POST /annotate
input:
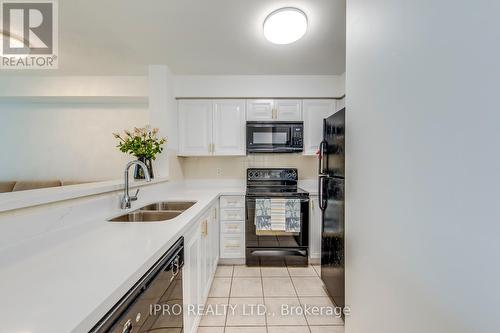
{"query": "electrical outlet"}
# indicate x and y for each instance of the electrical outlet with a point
(219, 172)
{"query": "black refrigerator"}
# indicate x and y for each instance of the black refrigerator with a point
(331, 201)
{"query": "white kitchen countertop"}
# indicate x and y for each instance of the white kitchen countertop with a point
(67, 280)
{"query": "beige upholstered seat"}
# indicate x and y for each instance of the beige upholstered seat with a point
(7, 186)
(15, 186)
(33, 185)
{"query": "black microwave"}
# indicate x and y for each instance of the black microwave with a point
(275, 137)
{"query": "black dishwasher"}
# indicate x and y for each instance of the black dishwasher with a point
(154, 303)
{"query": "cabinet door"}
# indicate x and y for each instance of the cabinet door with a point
(314, 228)
(214, 238)
(205, 255)
(232, 246)
(314, 113)
(260, 109)
(288, 110)
(195, 128)
(191, 275)
(229, 127)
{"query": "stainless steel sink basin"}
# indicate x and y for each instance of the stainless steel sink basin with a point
(168, 205)
(147, 216)
(155, 212)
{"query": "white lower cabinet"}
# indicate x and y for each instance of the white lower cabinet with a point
(314, 230)
(201, 254)
(232, 232)
(192, 277)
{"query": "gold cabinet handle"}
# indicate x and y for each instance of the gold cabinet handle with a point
(231, 246)
(204, 230)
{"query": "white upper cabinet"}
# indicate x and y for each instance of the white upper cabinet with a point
(218, 127)
(288, 110)
(315, 110)
(260, 110)
(274, 110)
(208, 128)
(229, 123)
(195, 127)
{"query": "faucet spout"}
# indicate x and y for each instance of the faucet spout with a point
(127, 199)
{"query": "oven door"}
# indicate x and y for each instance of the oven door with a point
(270, 137)
(276, 249)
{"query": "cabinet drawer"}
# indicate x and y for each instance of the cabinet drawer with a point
(232, 214)
(232, 227)
(232, 202)
(232, 246)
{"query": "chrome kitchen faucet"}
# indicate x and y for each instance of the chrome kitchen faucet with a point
(127, 199)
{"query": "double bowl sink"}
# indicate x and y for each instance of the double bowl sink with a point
(155, 212)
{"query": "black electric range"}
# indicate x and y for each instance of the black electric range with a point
(275, 249)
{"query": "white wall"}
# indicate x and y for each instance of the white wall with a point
(55, 127)
(71, 142)
(259, 85)
(163, 114)
(70, 86)
(423, 162)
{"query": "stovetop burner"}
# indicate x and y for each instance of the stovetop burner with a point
(273, 182)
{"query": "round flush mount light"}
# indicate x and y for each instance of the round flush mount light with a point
(285, 25)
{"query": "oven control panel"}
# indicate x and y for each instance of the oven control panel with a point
(272, 174)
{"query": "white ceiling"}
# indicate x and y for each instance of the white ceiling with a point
(121, 37)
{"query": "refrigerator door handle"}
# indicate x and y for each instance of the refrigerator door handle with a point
(322, 201)
(321, 157)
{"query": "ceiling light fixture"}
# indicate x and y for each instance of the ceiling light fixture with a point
(285, 25)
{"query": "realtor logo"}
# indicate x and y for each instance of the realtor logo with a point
(28, 34)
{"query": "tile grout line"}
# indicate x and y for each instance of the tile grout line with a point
(229, 297)
(300, 303)
(263, 299)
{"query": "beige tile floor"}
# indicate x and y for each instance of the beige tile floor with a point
(245, 289)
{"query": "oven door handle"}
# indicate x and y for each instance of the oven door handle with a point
(252, 200)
